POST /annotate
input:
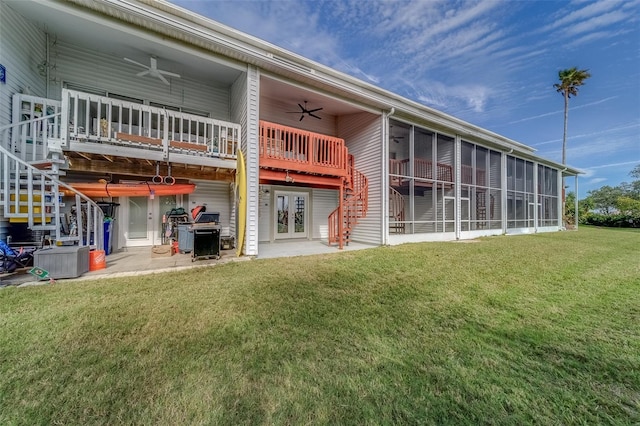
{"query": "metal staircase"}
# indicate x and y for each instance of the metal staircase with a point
(31, 162)
(354, 203)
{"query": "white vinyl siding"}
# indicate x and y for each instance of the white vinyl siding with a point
(265, 213)
(323, 202)
(216, 197)
(362, 133)
(83, 67)
(23, 51)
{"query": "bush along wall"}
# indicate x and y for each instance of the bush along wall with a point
(612, 220)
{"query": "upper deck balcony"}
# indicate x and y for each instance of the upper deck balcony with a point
(101, 119)
(93, 124)
(301, 151)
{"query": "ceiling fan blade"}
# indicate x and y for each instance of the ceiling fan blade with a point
(301, 117)
(136, 63)
(303, 109)
(170, 74)
(313, 115)
(314, 110)
(164, 80)
(143, 73)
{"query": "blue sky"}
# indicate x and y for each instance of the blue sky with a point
(491, 63)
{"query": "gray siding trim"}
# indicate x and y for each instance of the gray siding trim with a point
(250, 147)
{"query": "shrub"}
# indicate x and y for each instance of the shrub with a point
(619, 220)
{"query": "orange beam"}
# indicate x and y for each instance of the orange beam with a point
(292, 177)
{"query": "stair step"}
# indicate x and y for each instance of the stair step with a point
(44, 227)
(68, 238)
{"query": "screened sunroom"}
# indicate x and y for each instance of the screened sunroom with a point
(444, 187)
(531, 205)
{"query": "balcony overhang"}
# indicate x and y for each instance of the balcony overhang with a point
(278, 177)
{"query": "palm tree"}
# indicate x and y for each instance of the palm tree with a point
(570, 80)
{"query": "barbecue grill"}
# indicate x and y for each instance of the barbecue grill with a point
(206, 236)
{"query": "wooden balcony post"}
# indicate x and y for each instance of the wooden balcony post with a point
(341, 219)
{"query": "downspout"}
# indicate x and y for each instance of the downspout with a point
(385, 177)
(563, 203)
(504, 185)
(575, 214)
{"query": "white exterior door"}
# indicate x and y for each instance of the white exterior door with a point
(138, 221)
(142, 219)
(291, 215)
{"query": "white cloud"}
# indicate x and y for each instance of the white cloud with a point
(436, 94)
(591, 9)
(596, 180)
(596, 23)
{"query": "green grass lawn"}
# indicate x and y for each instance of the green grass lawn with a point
(541, 329)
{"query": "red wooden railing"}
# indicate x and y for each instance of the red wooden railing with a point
(467, 176)
(422, 169)
(288, 148)
(354, 203)
(396, 212)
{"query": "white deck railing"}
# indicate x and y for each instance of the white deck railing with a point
(35, 121)
(94, 118)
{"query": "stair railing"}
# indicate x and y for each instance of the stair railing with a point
(396, 211)
(353, 206)
(19, 179)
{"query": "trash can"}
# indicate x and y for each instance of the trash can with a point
(185, 238)
(108, 227)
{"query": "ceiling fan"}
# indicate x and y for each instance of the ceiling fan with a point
(304, 110)
(394, 138)
(152, 70)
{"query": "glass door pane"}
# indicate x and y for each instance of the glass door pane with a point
(138, 213)
(291, 215)
(299, 213)
(282, 214)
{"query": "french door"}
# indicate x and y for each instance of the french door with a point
(142, 219)
(291, 214)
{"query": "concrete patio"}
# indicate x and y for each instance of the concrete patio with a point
(133, 261)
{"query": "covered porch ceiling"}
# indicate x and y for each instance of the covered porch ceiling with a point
(75, 25)
(84, 28)
(127, 168)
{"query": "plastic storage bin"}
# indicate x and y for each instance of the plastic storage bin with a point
(63, 262)
(185, 238)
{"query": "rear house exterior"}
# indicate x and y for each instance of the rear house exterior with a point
(146, 105)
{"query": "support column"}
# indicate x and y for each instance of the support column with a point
(457, 161)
